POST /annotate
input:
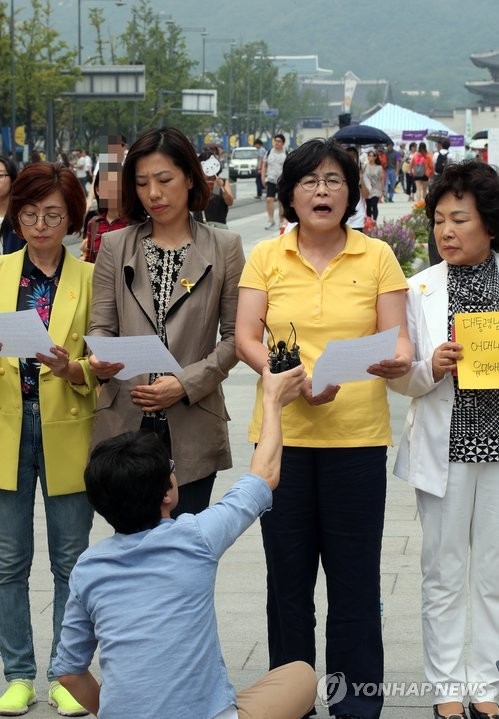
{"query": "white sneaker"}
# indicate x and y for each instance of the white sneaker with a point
(270, 225)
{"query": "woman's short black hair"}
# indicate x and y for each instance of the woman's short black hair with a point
(10, 167)
(479, 179)
(172, 143)
(304, 160)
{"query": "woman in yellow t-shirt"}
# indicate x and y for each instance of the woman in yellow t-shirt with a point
(331, 282)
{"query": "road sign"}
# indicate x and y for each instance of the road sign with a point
(271, 112)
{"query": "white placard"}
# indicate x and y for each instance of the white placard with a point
(23, 334)
(347, 360)
(139, 354)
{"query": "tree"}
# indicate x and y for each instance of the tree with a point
(160, 46)
(5, 66)
(45, 68)
(248, 78)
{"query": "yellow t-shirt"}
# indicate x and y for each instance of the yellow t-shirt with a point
(339, 304)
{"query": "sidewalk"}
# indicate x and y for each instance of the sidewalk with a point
(240, 594)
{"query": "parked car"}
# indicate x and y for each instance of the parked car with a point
(243, 162)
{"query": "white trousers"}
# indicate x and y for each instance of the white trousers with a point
(462, 526)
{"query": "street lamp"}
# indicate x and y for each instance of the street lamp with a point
(229, 124)
(118, 3)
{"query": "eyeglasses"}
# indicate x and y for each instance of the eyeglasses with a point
(51, 219)
(172, 466)
(310, 182)
(3, 174)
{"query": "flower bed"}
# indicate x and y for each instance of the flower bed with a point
(407, 236)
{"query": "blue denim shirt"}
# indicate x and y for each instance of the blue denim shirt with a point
(147, 601)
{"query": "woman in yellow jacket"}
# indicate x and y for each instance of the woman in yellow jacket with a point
(46, 411)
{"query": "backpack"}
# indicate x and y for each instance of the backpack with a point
(419, 167)
(441, 163)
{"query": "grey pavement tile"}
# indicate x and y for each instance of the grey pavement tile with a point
(394, 545)
(414, 547)
(409, 583)
(388, 583)
(395, 511)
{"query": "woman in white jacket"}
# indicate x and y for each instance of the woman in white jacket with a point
(450, 446)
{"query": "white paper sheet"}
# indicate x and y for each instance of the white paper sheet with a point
(139, 354)
(23, 334)
(347, 360)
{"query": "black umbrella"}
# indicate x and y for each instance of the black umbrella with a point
(481, 135)
(361, 135)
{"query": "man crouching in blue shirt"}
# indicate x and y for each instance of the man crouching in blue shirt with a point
(145, 596)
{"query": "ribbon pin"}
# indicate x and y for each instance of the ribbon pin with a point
(423, 289)
(185, 283)
(277, 273)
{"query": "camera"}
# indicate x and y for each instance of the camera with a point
(281, 357)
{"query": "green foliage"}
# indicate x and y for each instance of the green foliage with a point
(418, 223)
(5, 66)
(248, 77)
(159, 45)
(45, 68)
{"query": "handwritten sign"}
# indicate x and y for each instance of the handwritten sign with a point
(478, 332)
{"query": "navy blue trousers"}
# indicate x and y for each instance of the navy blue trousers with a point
(330, 506)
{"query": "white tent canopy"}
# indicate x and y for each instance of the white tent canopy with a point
(394, 119)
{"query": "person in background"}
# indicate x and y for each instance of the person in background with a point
(83, 169)
(331, 282)
(9, 239)
(171, 276)
(215, 212)
(259, 170)
(109, 216)
(114, 149)
(469, 154)
(272, 168)
(449, 449)
(401, 153)
(373, 180)
(421, 167)
(47, 407)
(441, 159)
(410, 184)
(391, 171)
(357, 220)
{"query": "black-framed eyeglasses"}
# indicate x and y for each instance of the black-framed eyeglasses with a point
(172, 466)
(333, 182)
(51, 219)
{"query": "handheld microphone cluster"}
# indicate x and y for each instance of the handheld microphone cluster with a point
(281, 356)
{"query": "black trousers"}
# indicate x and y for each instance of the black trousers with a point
(329, 506)
(194, 496)
(372, 207)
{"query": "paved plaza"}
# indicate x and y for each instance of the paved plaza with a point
(240, 594)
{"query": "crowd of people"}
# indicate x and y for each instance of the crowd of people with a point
(157, 440)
